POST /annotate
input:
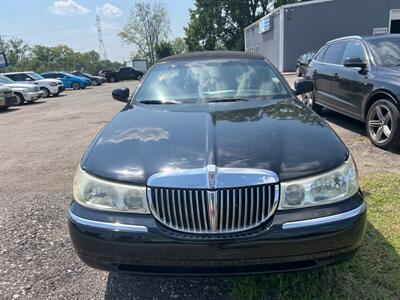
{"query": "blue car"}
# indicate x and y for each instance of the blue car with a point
(69, 80)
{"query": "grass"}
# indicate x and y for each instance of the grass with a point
(373, 273)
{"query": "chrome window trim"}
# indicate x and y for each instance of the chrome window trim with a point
(325, 220)
(106, 225)
(212, 177)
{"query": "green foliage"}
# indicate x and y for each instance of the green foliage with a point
(373, 273)
(58, 58)
(220, 24)
(164, 49)
(179, 46)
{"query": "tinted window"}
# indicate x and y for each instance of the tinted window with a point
(333, 54)
(353, 50)
(386, 52)
(320, 54)
(213, 79)
(18, 77)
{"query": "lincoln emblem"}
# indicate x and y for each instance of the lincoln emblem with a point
(213, 209)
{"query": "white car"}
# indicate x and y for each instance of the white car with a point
(23, 91)
(47, 86)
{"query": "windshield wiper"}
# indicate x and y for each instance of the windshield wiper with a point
(159, 102)
(226, 100)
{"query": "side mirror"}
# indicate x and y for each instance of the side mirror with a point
(121, 94)
(355, 62)
(303, 86)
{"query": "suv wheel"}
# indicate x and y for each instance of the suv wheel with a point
(20, 99)
(383, 124)
(308, 100)
(112, 79)
(46, 92)
(298, 73)
(76, 86)
(94, 82)
(139, 77)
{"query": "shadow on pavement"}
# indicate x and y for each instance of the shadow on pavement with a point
(344, 121)
(8, 110)
(125, 286)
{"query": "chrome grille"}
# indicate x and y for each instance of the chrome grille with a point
(224, 210)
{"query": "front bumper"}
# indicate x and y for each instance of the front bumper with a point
(296, 240)
(8, 100)
(60, 89)
(32, 96)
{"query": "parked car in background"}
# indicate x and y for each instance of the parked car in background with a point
(95, 80)
(7, 97)
(47, 86)
(302, 63)
(359, 77)
(23, 91)
(69, 81)
(215, 167)
(125, 73)
(103, 73)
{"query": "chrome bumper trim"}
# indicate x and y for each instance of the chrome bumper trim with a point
(105, 225)
(324, 220)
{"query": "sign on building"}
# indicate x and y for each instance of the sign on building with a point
(380, 31)
(264, 25)
(3, 60)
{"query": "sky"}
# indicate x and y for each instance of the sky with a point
(73, 22)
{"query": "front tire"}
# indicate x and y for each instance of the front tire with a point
(94, 82)
(383, 124)
(20, 99)
(76, 86)
(46, 92)
(112, 79)
(139, 77)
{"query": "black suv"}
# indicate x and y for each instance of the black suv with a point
(303, 62)
(125, 73)
(359, 77)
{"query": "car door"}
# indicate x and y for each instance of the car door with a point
(351, 84)
(326, 74)
(318, 72)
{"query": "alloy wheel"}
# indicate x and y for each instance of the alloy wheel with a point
(19, 99)
(76, 86)
(380, 124)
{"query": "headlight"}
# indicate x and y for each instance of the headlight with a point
(104, 195)
(53, 83)
(329, 187)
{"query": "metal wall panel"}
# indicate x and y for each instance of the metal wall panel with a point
(267, 43)
(308, 27)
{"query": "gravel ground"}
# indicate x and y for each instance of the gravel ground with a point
(41, 145)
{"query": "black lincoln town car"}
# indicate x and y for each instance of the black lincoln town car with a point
(215, 167)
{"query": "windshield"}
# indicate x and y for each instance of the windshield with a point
(386, 52)
(35, 76)
(210, 80)
(4, 79)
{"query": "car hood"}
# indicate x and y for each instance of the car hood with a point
(49, 81)
(278, 135)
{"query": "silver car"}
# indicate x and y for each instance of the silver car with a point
(23, 91)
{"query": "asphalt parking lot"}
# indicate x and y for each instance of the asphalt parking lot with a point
(40, 146)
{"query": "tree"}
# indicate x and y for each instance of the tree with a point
(179, 46)
(164, 49)
(220, 24)
(147, 25)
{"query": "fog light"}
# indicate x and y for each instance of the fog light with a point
(294, 194)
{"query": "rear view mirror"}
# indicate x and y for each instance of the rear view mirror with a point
(303, 86)
(121, 94)
(355, 62)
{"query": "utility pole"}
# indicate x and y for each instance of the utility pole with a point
(102, 48)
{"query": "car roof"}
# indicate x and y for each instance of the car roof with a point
(21, 72)
(210, 55)
(366, 38)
